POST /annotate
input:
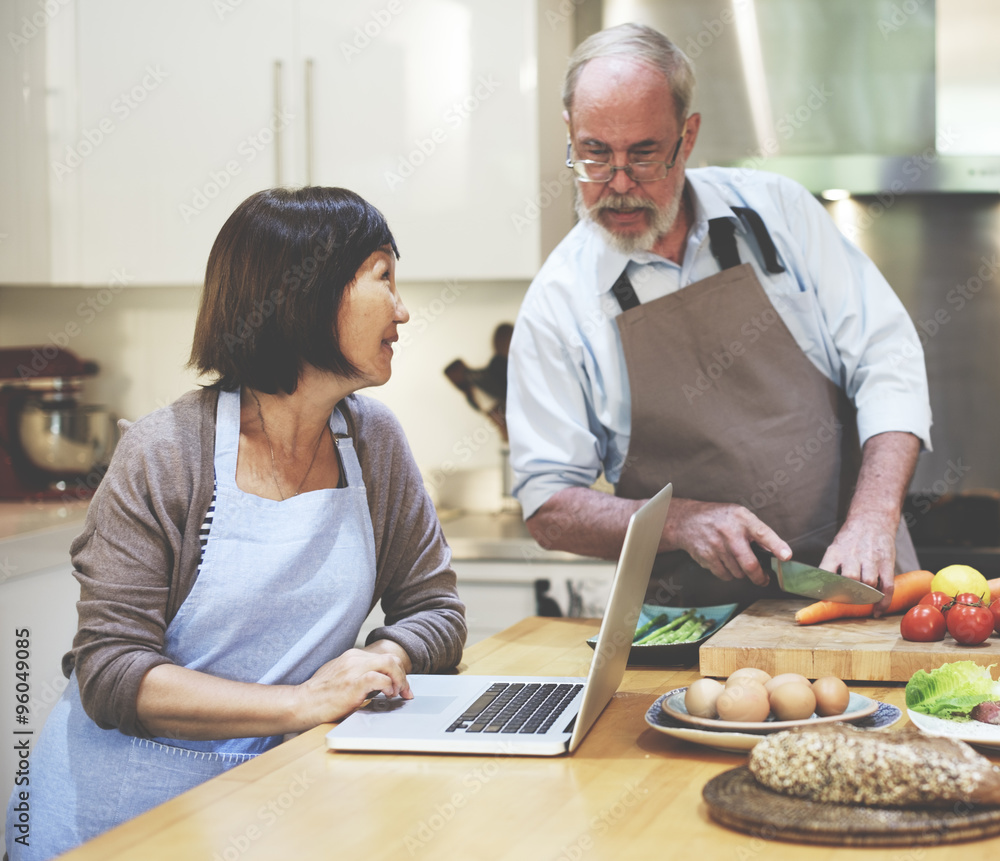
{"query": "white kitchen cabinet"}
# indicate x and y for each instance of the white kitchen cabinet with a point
(161, 119)
(434, 119)
(24, 203)
(157, 119)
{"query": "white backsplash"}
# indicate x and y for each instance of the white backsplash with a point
(141, 338)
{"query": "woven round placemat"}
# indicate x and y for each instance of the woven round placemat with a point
(736, 800)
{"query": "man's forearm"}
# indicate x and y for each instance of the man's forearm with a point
(583, 521)
(718, 536)
(887, 464)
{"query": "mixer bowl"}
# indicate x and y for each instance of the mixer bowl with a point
(65, 438)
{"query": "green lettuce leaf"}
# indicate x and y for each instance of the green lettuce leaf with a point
(952, 690)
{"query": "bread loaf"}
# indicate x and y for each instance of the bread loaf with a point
(842, 764)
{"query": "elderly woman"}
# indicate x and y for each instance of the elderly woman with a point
(243, 534)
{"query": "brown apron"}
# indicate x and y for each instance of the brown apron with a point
(727, 407)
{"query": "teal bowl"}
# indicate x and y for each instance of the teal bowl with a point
(674, 654)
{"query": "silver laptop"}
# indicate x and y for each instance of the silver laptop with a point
(520, 715)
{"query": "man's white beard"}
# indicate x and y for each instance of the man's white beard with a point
(660, 220)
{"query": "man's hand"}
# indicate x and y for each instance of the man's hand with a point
(865, 547)
(865, 550)
(718, 537)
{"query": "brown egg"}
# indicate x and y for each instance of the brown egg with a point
(793, 700)
(745, 701)
(782, 678)
(749, 673)
(832, 696)
(701, 696)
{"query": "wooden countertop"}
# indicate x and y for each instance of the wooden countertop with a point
(627, 792)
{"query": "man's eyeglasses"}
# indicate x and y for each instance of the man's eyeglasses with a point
(637, 171)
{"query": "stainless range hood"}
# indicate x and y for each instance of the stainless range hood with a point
(866, 96)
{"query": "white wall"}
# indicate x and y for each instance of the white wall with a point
(141, 338)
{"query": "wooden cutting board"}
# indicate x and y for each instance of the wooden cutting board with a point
(766, 636)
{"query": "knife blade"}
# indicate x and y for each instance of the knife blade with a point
(800, 579)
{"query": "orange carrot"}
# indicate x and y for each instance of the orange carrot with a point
(908, 589)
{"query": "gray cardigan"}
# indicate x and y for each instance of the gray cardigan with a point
(138, 555)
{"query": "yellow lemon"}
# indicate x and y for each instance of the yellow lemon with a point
(955, 579)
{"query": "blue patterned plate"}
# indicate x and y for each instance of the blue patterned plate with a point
(884, 715)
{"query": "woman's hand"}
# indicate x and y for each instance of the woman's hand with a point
(176, 702)
(343, 684)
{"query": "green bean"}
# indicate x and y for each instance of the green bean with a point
(670, 626)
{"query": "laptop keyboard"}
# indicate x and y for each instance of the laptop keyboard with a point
(517, 707)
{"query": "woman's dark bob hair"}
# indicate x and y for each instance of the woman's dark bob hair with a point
(275, 279)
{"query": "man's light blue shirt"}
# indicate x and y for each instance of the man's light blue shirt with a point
(568, 398)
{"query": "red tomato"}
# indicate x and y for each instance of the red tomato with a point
(970, 624)
(923, 624)
(969, 598)
(995, 610)
(936, 599)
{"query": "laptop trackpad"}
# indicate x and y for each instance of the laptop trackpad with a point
(419, 705)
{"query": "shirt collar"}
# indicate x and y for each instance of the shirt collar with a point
(707, 204)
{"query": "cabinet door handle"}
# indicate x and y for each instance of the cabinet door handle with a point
(277, 122)
(309, 121)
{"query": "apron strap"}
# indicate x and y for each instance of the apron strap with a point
(342, 426)
(722, 242)
(763, 238)
(624, 292)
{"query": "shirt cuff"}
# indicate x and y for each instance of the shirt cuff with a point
(534, 491)
(895, 413)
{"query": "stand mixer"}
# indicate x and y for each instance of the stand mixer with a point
(51, 445)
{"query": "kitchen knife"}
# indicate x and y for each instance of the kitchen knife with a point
(812, 582)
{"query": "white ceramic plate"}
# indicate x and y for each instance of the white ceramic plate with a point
(884, 715)
(673, 704)
(973, 731)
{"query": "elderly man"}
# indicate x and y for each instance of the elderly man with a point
(712, 328)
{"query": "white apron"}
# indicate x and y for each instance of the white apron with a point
(283, 588)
